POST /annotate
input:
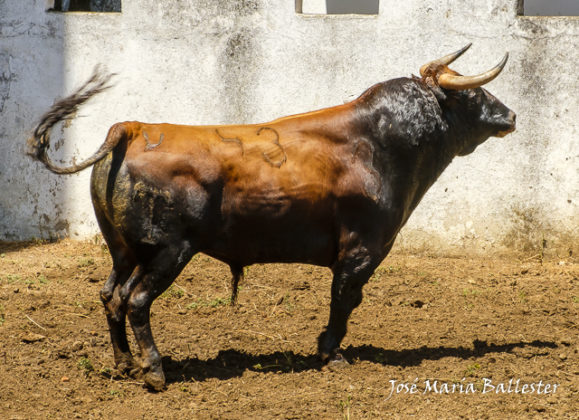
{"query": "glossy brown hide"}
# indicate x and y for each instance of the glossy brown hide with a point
(296, 189)
(331, 187)
(244, 194)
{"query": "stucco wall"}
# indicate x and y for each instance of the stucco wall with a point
(208, 61)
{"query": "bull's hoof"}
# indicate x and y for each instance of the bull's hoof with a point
(337, 362)
(126, 365)
(154, 381)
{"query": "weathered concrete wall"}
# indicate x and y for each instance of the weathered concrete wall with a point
(207, 61)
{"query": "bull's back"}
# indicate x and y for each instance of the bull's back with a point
(258, 193)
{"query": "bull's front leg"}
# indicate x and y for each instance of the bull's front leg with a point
(350, 275)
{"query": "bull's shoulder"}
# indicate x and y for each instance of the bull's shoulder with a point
(401, 111)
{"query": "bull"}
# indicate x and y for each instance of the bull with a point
(331, 187)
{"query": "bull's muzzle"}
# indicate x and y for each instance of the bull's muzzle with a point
(512, 122)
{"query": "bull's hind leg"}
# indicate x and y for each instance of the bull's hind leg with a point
(158, 274)
(124, 271)
(115, 310)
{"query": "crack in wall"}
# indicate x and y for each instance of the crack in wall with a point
(6, 78)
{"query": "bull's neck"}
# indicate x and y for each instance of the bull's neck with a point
(420, 167)
(408, 171)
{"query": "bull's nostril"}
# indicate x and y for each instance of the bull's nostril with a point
(509, 124)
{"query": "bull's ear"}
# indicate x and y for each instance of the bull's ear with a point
(438, 92)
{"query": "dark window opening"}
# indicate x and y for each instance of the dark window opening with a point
(548, 7)
(338, 7)
(87, 6)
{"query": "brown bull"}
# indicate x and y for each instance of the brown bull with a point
(331, 187)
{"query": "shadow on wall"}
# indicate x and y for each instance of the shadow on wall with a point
(6, 77)
(31, 76)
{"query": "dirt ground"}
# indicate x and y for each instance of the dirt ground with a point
(435, 337)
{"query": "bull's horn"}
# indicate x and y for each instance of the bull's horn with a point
(450, 81)
(446, 60)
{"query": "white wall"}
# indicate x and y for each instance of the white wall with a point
(206, 61)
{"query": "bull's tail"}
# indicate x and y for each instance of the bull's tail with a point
(64, 109)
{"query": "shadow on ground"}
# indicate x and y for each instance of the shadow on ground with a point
(16, 246)
(233, 363)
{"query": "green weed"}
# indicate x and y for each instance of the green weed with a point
(471, 369)
(12, 278)
(39, 241)
(344, 406)
(105, 371)
(115, 393)
(219, 302)
(470, 292)
(173, 292)
(213, 303)
(85, 262)
(85, 365)
(193, 305)
(289, 305)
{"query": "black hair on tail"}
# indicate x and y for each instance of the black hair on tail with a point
(64, 109)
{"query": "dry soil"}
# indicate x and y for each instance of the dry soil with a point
(435, 337)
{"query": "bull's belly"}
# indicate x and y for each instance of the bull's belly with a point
(257, 227)
(274, 240)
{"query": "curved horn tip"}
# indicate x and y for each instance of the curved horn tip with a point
(446, 60)
(504, 60)
(466, 47)
(453, 56)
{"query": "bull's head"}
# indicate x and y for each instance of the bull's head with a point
(465, 96)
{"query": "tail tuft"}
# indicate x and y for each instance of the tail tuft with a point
(64, 109)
